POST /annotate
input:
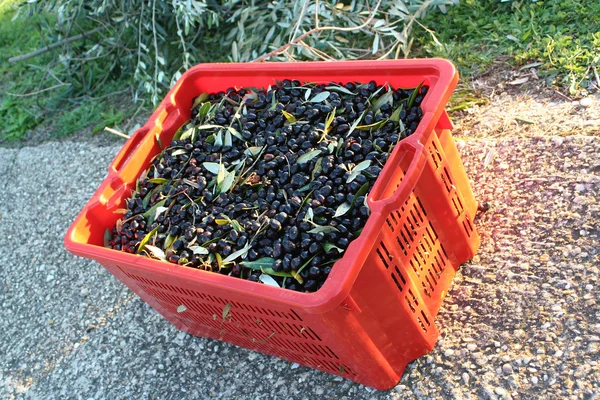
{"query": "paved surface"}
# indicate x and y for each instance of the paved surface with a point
(522, 320)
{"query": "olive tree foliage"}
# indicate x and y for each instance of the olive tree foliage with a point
(152, 42)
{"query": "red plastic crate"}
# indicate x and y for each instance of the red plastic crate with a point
(376, 311)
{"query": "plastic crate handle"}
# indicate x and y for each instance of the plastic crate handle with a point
(126, 151)
(386, 204)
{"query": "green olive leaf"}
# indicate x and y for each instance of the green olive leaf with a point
(253, 151)
(160, 210)
(307, 94)
(342, 209)
(146, 239)
(159, 181)
(318, 167)
(178, 133)
(296, 274)
(374, 125)
(200, 99)
(208, 126)
(268, 280)
(178, 152)
(395, 117)
(330, 246)
(227, 182)
(228, 139)
(269, 271)
(355, 123)
(146, 199)
(322, 229)
(290, 117)
(306, 157)
(155, 252)
(340, 89)
(386, 98)
(199, 250)
(257, 265)
(221, 174)
(361, 192)
(358, 169)
(211, 167)
(413, 96)
(169, 240)
(218, 138)
(273, 100)
(107, 237)
(149, 215)
(329, 120)
(235, 133)
(320, 97)
(204, 109)
(189, 134)
(240, 253)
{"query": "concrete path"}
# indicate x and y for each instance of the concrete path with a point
(522, 320)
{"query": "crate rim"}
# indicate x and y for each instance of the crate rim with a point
(337, 287)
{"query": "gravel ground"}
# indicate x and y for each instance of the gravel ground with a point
(522, 319)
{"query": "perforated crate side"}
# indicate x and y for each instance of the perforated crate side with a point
(447, 198)
(332, 343)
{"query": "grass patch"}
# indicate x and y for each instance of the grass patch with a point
(475, 33)
(32, 96)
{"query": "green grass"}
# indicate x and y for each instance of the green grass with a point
(33, 98)
(474, 34)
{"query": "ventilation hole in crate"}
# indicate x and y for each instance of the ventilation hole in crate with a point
(456, 207)
(446, 184)
(421, 207)
(401, 244)
(414, 218)
(428, 246)
(421, 259)
(150, 286)
(444, 252)
(412, 301)
(420, 321)
(449, 179)
(393, 218)
(331, 352)
(468, 232)
(410, 304)
(413, 297)
(432, 275)
(406, 241)
(408, 232)
(440, 265)
(429, 282)
(468, 226)
(414, 265)
(425, 289)
(400, 275)
(435, 155)
(434, 266)
(296, 350)
(424, 249)
(410, 224)
(396, 282)
(387, 253)
(433, 234)
(382, 258)
(459, 201)
(425, 318)
(389, 224)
